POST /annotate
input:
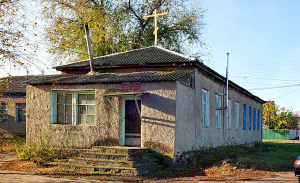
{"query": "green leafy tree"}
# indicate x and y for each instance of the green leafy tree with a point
(118, 25)
(278, 118)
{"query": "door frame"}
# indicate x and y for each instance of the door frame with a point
(122, 125)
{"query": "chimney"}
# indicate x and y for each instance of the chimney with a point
(88, 40)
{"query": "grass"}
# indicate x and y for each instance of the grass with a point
(229, 163)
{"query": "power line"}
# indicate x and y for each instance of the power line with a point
(287, 94)
(274, 87)
(246, 77)
(269, 63)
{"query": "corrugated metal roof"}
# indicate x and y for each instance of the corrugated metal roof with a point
(144, 56)
(17, 84)
(145, 76)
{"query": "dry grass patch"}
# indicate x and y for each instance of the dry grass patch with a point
(9, 145)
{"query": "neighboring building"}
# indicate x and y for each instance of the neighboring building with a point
(144, 97)
(13, 103)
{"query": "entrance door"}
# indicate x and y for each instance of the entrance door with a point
(132, 123)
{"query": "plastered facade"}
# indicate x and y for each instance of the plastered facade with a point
(11, 125)
(158, 116)
(190, 133)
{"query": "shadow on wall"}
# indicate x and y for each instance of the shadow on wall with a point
(165, 105)
(159, 122)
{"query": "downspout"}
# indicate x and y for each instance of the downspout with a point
(88, 40)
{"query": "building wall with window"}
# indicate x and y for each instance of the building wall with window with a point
(193, 133)
(13, 114)
(157, 107)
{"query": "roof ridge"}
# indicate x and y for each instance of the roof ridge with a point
(176, 53)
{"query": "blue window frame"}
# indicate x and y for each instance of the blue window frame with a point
(250, 117)
(254, 119)
(258, 119)
(244, 117)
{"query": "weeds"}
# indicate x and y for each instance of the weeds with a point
(39, 153)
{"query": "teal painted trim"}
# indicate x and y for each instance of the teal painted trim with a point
(53, 105)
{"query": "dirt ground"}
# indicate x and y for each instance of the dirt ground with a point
(11, 176)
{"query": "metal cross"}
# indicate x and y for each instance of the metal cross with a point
(155, 22)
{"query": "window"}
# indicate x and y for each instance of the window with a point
(3, 112)
(258, 119)
(64, 108)
(218, 112)
(254, 119)
(229, 115)
(244, 117)
(250, 119)
(20, 112)
(205, 108)
(236, 115)
(73, 107)
(86, 109)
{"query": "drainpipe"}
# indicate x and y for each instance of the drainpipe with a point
(227, 111)
(88, 40)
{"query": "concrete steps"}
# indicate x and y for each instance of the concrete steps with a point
(114, 161)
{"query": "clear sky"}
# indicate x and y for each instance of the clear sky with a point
(263, 39)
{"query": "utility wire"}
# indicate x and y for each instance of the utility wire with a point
(274, 87)
(264, 78)
(269, 63)
(287, 94)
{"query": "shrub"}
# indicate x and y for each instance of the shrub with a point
(40, 153)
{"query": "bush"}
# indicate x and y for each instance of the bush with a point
(40, 153)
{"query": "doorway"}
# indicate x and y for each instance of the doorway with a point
(132, 122)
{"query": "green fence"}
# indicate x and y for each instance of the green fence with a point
(274, 134)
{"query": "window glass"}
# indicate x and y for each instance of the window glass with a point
(20, 112)
(218, 115)
(244, 117)
(205, 108)
(258, 119)
(236, 115)
(229, 115)
(250, 118)
(3, 112)
(82, 99)
(254, 119)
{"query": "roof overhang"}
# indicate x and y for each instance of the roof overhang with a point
(123, 94)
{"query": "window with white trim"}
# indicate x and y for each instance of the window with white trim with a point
(73, 107)
(236, 115)
(20, 112)
(205, 108)
(218, 111)
(3, 112)
(229, 115)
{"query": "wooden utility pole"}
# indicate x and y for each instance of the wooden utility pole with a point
(155, 15)
(88, 40)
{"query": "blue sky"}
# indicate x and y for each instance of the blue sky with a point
(263, 39)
